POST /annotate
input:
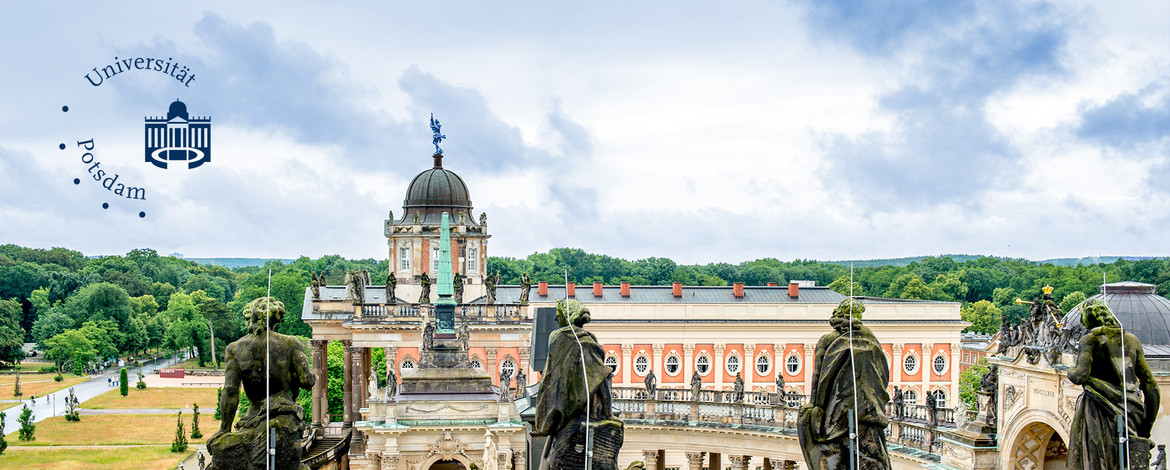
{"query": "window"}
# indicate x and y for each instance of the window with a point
(673, 364)
(910, 397)
(508, 367)
(763, 364)
(792, 364)
(476, 363)
(910, 364)
(404, 260)
(472, 257)
(703, 364)
(940, 364)
(612, 362)
(733, 364)
(641, 365)
(407, 363)
(434, 262)
(940, 399)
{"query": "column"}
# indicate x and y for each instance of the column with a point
(688, 364)
(656, 362)
(347, 384)
(524, 363)
(320, 407)
(749, 366)
(953, 369)
(717, 367)
(367, 364)
(714, 461)
(627, 364)
(809, 359)
(925, 368)
(389, 461)
(739, 462)
(491, 367)
(694, 460)
(520, 459)
(650, 459)
(355, 354)
(768, 463)
(896, 373)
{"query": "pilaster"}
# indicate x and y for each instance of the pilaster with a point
(749, 366)
(627, 364)
(656, 364)
(896, 377)
(318, 347)
(695, 460)
(650, 459)
(688, 363)
(718, 366)
(347, 384)
(739, 462)
(809, 359)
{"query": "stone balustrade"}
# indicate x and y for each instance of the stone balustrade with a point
(378, 312)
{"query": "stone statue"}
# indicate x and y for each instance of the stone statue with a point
(931, 410)
(696, 386)
(350, 287)
(245, 367)
(490, 283)
(525, 285)
(505, 386)
(391, 382)
(391, 284)
(781, 394)
(1159, 462)
(899, 403)
(483, 219)
(315, 286)
(425, 296)
(1005, 336)
(1094, 438)
(489, 452)
(989, 387)
(823, 425)
(458, 284)
(429, 336)
(521, 383)
(438, 137)
(564, 391)
(417, 217)
(373, 384)
(464, 336)
(651, 384)
(738, 387)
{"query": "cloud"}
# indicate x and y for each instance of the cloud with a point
(956, 59)
(1129, 119)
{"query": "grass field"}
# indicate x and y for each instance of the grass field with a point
(171, 398)
(96, 458)
(114, 430)
(193, 364)
(36, 384)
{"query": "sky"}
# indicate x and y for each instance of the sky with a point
(698, 131)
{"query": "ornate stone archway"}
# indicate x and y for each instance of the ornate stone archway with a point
(1026, 444)
(439, 463)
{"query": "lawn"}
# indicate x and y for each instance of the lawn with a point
(193, 364)
(171, 398)
(36, 384)
(114, 430)
(97, 458)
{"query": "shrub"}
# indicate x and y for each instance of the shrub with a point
(3, 442)
(59, 377)
(180, 442)
(141, 380)
(27, 427)
(71, 413)
(218, 416)
(124, 382)
(47, 369)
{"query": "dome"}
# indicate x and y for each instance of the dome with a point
(437, 190)
(1141, 311)
(177, 109)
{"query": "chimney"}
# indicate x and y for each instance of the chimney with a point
(737, 290)
(677, 290)
(571, 289)
(625, 289)
(597, 289)
(793, 290)
(542, 288)
(771, 284)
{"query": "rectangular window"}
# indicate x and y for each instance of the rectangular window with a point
(472, 257)
(404, 260)
(434, 262)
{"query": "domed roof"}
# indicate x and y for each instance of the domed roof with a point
(177, 109)
(437, 188)
(1141, 311)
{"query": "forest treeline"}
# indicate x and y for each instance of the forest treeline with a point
(80, 310)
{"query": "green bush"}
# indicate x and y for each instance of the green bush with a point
(27, 427)
(218, 416)
(3, 442)
(195, 432)
(124, 382)
(180, 442)
(47, 369)
(58, 377)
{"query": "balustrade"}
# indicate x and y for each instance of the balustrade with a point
(403, 311)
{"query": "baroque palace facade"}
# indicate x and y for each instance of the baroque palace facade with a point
(760, 333)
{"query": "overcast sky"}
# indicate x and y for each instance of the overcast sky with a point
(698, 131)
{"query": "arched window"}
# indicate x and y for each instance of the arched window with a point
(508, 367)
(763, 364)
(940, 364)
(703, 364)
(673, 364)
(612, 362)
(476, 363)
(792, 364)
(733, 364)
(641, 365)
(910, 364)
(940, 399)
(910, 397)
(407, 363)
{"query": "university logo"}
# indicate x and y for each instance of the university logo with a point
(178, 138)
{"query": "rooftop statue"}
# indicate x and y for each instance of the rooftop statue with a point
(823, 424)
(651, 382)
(424, 297)
(738, 387)
(696, 386)
(1094, 434)
(438, 137)
(569, 383)
(525, 286)
(521, 383)
(391, 284)
(490, 283)
(781, 394)
(457, 284)
(245, 367)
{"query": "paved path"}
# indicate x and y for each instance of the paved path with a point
(93, 387)
(135, 411)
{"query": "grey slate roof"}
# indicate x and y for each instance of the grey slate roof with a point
(1146, 315)
(690, 295)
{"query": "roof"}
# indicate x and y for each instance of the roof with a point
(690, 295)
(1140, 310)
(435, 190)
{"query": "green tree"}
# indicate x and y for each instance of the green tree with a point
(195, 433)
(217, 414)
(1071, 301)
(984, 317)
(101, 301)
(949, 287)
(3, 442)
(179, 444)
(1004, 296)
(969, 382)
(28, 427)
(841, 286)
(71, 348)
(11, 334)
(123, 382)
(50, 323)
(162, 292)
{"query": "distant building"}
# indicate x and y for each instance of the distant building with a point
(976, 346)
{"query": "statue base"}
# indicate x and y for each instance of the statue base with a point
(973, 447)
(568, 452)
(445, 368)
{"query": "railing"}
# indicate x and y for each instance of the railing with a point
(918, 414)
(473, 312)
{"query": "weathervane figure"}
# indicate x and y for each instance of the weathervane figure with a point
(438, 136)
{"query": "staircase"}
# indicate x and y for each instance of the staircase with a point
(325, 449)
